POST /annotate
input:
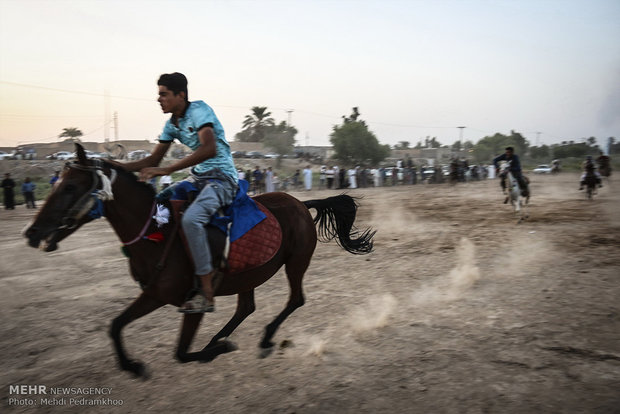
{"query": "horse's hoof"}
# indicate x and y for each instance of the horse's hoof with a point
(230, 346)
(138, 369)
(211, 351)
(265, 352)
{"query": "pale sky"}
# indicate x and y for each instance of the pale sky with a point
(414, 68)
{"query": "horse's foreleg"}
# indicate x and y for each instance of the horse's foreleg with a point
(191, 321)
(143, 305)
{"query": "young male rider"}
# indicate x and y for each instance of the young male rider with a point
(515, 169)
(195, 125)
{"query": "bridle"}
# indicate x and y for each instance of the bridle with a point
(89, 200)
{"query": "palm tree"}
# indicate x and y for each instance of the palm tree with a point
(256, 123)
(71, 133)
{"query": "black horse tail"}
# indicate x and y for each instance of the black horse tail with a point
(334, 219)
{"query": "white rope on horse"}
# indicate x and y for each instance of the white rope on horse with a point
(105, 194)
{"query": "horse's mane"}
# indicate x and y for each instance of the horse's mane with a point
(131, 177)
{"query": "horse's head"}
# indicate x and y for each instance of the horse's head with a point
(72, 198)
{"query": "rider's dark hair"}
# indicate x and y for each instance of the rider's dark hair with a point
(510, 149)
(176, 82)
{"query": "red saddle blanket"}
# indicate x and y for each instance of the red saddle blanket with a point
(253, 249)
(257, 246)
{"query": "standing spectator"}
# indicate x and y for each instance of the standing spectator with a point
(257, 180)
(377, 177)
(362, 177)
(322, 177)
(276, 182)
(8, 186)
(296, 180)
(55, 178)
(28, 192)
(269, 181)
(394, 176)
(341, 182)
(308, 178)
(336, 177)
(330, 177)
(240, 174)
(352, 178)
(414, 175)
(165, 181)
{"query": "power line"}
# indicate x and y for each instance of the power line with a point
(46, 116)
(24, 85)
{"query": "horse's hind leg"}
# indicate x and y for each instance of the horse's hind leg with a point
(143, 305)
(295, 273)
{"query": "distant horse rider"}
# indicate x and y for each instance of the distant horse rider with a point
(589, 170)
(604, 164)
(515, 169)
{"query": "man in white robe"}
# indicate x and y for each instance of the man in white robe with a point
(308, 178)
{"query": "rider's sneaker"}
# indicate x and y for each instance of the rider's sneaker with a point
(197, 304)
(580, 188)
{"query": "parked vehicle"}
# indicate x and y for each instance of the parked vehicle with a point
(138, 155)
(542, 169)
(272, 155)
(61, 155)
(5, 155)
(238, 154)
(254, 154)
(97, 155)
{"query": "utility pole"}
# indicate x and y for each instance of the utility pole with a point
(461, 137)
(106, 116)
(289, 112)
(115, 126)
(537, 138)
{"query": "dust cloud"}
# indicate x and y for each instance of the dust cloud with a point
(456, 283)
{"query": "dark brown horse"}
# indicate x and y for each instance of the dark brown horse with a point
(165, 271)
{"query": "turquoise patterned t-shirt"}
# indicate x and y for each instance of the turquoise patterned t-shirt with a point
(197, 115)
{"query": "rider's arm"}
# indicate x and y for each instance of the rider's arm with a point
(152, 160)
(205, 151)
(498, 159)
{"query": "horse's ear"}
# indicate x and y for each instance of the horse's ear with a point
(81, 155)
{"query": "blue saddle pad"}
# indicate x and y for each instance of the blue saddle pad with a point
(243, 212)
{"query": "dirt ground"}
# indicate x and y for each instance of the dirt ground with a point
(459, 310)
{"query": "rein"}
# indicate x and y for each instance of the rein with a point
(144, 229)
(88, 200)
